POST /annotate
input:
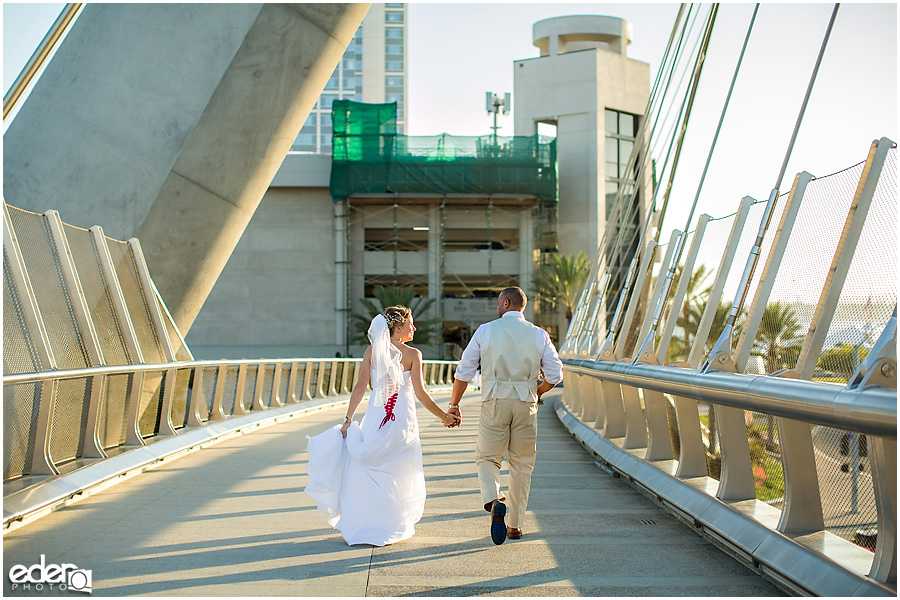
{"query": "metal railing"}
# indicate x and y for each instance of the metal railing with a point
(134, 405)
(783, 448)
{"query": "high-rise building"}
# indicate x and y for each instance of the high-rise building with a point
(373, 69)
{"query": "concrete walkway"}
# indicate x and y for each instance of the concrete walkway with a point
(232, 520)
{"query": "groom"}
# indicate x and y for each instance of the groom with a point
(511, 352)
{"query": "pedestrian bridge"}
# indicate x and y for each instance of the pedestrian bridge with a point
(715, 477)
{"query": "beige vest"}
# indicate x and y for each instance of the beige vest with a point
(511, 363)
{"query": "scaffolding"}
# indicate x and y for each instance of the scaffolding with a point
(368, 156)
(457, 218)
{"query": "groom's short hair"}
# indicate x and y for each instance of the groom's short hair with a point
(515, 295)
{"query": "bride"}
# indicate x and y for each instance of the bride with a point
(368, 476)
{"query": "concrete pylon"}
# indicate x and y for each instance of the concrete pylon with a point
(167, 122)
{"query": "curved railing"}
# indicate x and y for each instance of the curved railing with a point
(131, 407)
(782, 448)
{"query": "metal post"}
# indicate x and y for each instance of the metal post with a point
(275, 400)
(197, 396)
(90, 445)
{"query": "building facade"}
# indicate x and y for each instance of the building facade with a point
(308, 258)
(373, 69)
(585, 85)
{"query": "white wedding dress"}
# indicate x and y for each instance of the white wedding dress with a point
(371, 485)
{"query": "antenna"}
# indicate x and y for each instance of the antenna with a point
(494, 105)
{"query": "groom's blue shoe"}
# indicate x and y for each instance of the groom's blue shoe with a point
(498, 525)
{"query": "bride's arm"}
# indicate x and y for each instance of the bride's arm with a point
(359, 390)
(422, 395)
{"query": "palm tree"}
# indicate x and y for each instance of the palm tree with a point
(561, 279)
(777, 344)
(689, 320)
(426, 329)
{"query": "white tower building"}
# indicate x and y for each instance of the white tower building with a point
(585, 85)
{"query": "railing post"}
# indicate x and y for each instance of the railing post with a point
(588, 401)
(239, 409)
(842, 259)
(292, 385)
(133, 435)
(217, 414)
(307, 379)
(275, 400)
(197, 396)
(598, 401)
(332, 379)
(883, 458)
(258, 388)
(165, 417)
(159, 321)
(90, 446)
(692, 457)
(320, 380)
(613, 410)
(346, 369)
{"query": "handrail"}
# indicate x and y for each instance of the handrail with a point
(145, 368)
(34, 64)
(870, 410)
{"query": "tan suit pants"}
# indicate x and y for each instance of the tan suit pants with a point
(508, 427)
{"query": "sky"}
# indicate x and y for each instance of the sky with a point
(459, 51)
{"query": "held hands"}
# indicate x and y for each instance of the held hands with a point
(450, 420)
(455, 412)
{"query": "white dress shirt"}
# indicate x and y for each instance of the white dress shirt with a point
(471, 356)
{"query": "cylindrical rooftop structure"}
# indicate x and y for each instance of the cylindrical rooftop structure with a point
(558, 35)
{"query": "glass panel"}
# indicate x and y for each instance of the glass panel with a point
(393, 49)
(394, 66)
(393, 17)
(626, 124)
(612, 169)
(393, 81)
(391, 32)
(332, 84)
(611, 147)
(611, 121)
(624, 152)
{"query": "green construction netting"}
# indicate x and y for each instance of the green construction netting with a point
(369, 157)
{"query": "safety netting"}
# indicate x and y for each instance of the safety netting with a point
(368, 156)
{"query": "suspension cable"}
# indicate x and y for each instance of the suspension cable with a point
(676, 258)
(723, 345)
(617, 207)
(615, 326)
(578, 322)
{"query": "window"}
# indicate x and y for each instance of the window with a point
(393, 65)
(393, 17)
(393, 32)
(393, 81)
(620, 131)
(393, 49)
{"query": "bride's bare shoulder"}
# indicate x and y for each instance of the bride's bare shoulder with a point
(409, 351)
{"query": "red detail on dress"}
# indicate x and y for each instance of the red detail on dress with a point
(389, 409)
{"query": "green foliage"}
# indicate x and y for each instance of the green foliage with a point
(561, 279)
(777, 340)
(426, 329)
(841, 360)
